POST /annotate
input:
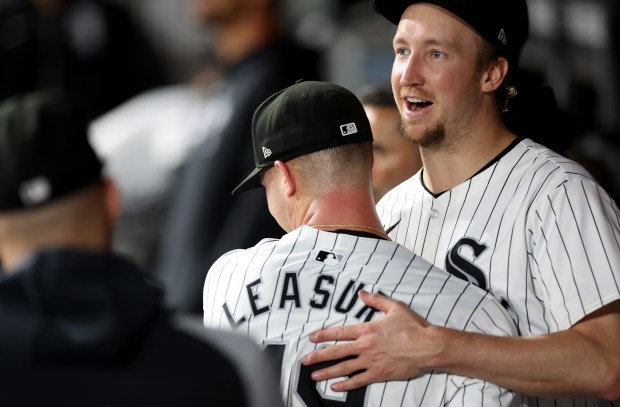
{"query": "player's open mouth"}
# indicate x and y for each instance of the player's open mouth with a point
(415, 104)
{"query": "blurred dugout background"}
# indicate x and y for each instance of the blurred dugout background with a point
(574, 47)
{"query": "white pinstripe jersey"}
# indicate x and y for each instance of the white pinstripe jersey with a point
(280, 291)
(533, 228)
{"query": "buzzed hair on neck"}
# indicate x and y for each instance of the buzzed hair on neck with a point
(345, 166)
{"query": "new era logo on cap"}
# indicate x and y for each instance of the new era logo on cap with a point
(266, 152)
(502, 37)
(347, 129)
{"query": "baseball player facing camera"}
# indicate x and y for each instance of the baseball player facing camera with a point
(313, 153)
(497, 209)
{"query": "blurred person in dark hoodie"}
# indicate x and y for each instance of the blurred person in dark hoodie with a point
(204, 221)
(80, 325)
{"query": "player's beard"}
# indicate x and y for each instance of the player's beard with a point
(431, 138)
(444, 135)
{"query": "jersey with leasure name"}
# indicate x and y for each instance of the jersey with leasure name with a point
(280, 291)
(533, 228)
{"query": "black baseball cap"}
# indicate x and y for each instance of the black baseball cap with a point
(306, 117)
(503, 23)
(44, 150)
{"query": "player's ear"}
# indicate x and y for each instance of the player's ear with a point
(287, 178)
(494, 75)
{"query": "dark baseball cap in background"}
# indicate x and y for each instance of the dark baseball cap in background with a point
(306, 117)
(44, 150)
(503, 23)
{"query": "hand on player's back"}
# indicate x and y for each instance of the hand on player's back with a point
(392, 347)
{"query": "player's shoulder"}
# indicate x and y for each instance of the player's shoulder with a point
(265, 245)
(447, 300)
(551, 177)
(544, 164)
(467, 306)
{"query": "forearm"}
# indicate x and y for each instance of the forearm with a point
(567, 363)
(581, 361)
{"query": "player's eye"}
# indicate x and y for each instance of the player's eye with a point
(401, 52)
(436, 54)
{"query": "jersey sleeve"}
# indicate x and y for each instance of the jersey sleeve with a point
(574, 251)
(491, 318)
(212, 290)
(467, 391)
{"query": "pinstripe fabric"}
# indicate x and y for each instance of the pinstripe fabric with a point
(280, 291)
(533, 228)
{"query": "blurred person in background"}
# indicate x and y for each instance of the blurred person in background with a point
(90, 48)
(253, 60)
(396, 158)
(78, 324)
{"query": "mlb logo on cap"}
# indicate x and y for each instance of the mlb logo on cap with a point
(347, 129)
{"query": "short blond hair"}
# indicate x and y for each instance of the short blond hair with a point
(345, 166)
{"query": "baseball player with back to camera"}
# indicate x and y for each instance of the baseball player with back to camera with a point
(79, 324)
(526, 224)
(313, 152)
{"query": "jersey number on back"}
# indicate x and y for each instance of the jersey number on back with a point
(308, 390)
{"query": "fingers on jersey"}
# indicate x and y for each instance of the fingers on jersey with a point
(364, 378)
(352, 332)
(334, 352)
(378, 356)
(372, 361)
(339, 333)
(378, 300)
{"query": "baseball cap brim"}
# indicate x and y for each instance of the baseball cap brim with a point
(252, 181)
